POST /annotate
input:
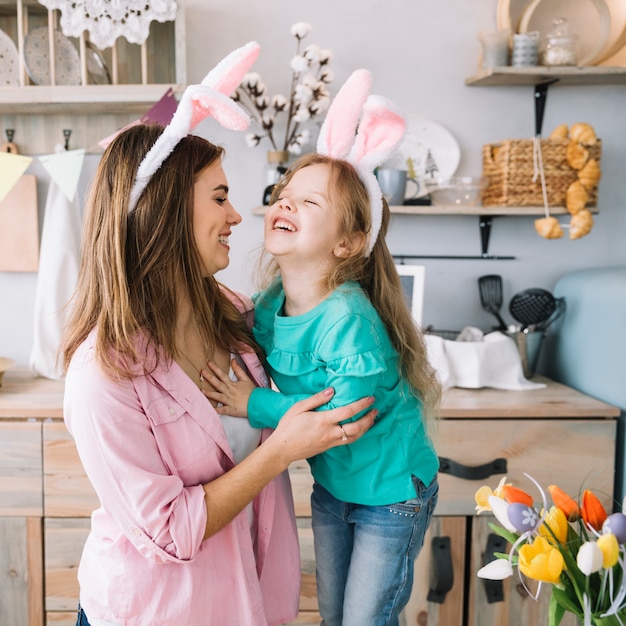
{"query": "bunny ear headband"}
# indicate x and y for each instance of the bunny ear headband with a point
(210, 98)
(363, 131)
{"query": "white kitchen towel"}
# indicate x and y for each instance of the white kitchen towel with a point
(58, 271)
(493, 361)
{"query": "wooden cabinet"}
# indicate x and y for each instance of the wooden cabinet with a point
(556, 434)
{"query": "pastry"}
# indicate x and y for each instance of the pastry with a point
(576, 197)
(548, 227)
(560, 132)
(580, 224)
(583, 133)
(590, 174)
(576, 155)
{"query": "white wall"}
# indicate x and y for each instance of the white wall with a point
(420, 54)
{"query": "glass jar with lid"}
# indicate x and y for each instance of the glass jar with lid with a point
(559, 47)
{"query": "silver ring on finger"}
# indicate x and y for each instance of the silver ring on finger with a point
(344, 437)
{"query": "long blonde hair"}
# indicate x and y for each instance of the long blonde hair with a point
(376, 274)
(136, 267)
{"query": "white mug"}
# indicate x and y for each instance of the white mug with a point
(393, 185)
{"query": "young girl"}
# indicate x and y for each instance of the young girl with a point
(334, 315)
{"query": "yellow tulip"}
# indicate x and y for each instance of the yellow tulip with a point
(482, 496)
(555, 521)
(610, 549)
(541, 561)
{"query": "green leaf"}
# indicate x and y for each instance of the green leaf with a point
(503, 532)
(561, 598)
(555, 612)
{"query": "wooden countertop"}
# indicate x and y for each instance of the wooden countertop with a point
(22, 397)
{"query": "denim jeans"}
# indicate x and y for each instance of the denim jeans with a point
(81, 618)
(365, 555)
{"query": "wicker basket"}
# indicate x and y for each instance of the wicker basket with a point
(509, 167)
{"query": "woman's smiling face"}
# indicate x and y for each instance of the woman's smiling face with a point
(213, 217)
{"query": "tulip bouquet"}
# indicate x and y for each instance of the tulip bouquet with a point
(576, 547)
(308, 97)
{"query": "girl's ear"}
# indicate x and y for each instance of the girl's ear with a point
(348, 247)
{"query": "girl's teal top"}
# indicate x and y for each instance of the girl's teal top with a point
(342, 343)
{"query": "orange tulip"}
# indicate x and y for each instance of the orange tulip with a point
(565, 503)
(513, 494)
(592, 510)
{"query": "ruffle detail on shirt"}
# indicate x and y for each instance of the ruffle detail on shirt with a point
(294, 364)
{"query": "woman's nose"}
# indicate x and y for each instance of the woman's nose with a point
(234, 217)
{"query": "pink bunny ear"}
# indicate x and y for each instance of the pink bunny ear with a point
(209, 98)
(380, 132)
(337, 132)
(228, 73)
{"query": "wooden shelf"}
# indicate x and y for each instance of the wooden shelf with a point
(511, 76)
(412, 209)
(84, 99)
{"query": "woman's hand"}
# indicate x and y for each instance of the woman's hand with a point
(231, 395)
(302, 433)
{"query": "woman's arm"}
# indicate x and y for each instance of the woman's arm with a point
(300, 434)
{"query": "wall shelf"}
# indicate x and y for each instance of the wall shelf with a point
(453, 209)
(511, 76)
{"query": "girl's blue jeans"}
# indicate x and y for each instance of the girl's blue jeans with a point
(365, 555)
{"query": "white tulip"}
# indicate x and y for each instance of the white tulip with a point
(496, 570)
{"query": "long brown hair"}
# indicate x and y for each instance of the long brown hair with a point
(136, 267)
(376, 274)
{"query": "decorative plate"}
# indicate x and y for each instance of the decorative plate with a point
(9, 61)
(36, 57)
(428, 150)
(509, 13)
(590, 20)
(96, 67)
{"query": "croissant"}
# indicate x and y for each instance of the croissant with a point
(576, 155)
(590, 174)
(583, 133)
(548, 227)
(580, 224)
(576, 197)
(560, 132)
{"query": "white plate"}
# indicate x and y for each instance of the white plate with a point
(9, 61)
(37, 55)
(431, 148)
(590, 20)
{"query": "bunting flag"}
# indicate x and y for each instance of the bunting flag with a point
(12, 166)
(160, 113)
(64, 169)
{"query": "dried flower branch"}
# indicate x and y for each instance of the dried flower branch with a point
(308, 96)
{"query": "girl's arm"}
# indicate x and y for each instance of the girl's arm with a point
(300, 434)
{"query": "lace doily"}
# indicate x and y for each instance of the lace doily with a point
(106, 20)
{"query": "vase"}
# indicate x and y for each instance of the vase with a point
(275, 168)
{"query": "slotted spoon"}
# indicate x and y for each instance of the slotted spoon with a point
(490, 287)
(532, 307)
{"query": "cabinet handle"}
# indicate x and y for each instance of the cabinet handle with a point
(493, 588)
(443, 572)
(478, 472)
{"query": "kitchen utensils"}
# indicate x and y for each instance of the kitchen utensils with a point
(536, 308)
(490, 287)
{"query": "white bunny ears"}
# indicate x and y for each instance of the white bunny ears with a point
(210, 98)
(364, 131)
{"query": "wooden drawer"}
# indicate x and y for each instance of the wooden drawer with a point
(574, 454)
(67, 490)
(21, 581)
(20, 469)
(64, 540)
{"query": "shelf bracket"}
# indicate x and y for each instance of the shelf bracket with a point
(541, 95)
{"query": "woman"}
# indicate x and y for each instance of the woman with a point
(196, 523)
